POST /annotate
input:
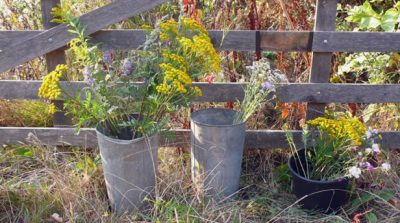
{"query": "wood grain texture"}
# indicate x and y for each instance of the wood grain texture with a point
(132, 39)
(325, 20)
(238, 40)
(57, 37)
(181, 137)
(356, 42)
(222, 92)
(8, 38)
(255, 139)
(339, 93)
(285, 41)
(269, 40)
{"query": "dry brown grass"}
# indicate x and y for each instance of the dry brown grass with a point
(36, 182)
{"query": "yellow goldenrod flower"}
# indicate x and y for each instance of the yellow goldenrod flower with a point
(197, 91)
(164, 89)
(343, 128)
(50, 87)
(52, 109)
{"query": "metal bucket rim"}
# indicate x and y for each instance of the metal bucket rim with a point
(211, 125)
(122, 141)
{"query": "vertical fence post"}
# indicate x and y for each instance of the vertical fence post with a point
(325, 20)
(53, 59)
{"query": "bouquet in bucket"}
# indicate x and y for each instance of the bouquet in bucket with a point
(218, 135)
(130, 94)
(338, 151)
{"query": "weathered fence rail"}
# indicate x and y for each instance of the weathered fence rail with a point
(17, 47)
(223, 92)
(246, 40)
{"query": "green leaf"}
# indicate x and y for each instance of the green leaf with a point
(365, 16)
(387, 194)
(389, 20)
(371, 217)
(24, 152)
(367, 8)
(369, 22)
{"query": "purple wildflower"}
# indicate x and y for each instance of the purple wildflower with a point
(107, 57)
(363, 165)
(268, 86)
(371, 133)
(369, 167)
(366, 165)
(360, 156)
(356, 148)
(127, 67)
(375, 148)
(88, 76)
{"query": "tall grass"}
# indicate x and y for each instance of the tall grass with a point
(37, 182)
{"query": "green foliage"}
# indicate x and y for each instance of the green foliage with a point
(374, 68)
(175, 211)
(368, 19)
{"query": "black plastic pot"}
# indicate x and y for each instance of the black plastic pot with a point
(325, 196)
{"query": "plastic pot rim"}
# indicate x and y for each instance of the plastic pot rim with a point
(211, 125)
(310, 180)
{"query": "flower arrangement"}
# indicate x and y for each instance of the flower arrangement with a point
(341, 147)
(262, 83)
(146, 84)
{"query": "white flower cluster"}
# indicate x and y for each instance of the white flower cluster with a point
(355, 172)
(265, 73)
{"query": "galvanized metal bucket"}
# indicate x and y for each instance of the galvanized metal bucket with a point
(216, 151)
(129, 169)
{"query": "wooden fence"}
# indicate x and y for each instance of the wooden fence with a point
(17, 47)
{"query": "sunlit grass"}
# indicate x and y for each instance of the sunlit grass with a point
(37, 182)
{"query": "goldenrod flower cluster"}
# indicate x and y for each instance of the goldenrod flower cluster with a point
(344, 128)
(188, 53)
(50, 87)
(175, 80)
(52, 109)
(175, 58)
(168, 28)
(164, 89)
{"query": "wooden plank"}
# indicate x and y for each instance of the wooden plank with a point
(239, 40)
(269, 40)
(66, 136)
(243, 40)
(285, 41)
(218, 92)
(339, 93)
(8, 38)
(59, 36)
(131, 39)
(53, 59)
(325, 20)
(356, 42)
(260, 139)
(222, 92)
